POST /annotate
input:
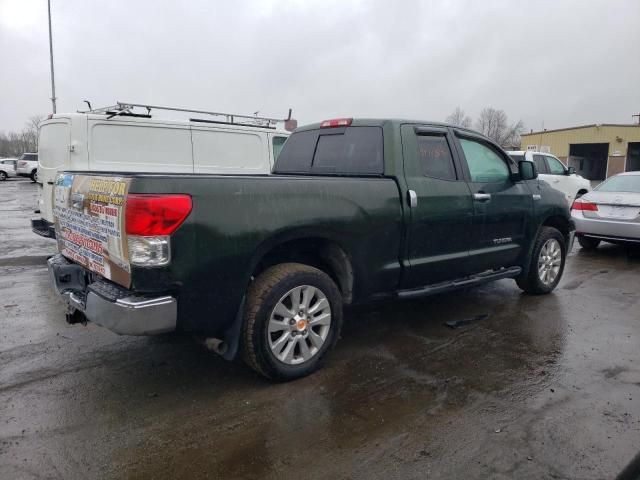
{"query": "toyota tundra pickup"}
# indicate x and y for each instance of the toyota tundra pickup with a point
(261, 266)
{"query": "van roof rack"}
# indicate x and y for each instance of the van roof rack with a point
(125, 109)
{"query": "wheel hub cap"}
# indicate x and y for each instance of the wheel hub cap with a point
(299, 325)
(549, 261)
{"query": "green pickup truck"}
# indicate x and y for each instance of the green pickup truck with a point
(261, 266)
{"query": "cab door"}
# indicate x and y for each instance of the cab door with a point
(502, 205)
(440, 207)
(559, 179)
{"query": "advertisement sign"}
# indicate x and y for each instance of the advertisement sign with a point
(89, 222)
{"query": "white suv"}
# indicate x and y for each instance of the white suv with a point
(28, 166)
(554, 172)
(7, 168)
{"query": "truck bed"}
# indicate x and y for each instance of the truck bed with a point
(237, 220)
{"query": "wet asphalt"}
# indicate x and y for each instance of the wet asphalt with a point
(544, 387)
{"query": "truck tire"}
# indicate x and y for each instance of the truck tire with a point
(292, 319)
(588, 243)
(546, 263)
(34, 176)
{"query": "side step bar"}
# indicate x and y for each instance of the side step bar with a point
(510, 272)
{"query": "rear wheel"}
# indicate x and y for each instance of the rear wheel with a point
(34, 176)
(292, 319)
(547, 263)
(588, 243)
(3, 176)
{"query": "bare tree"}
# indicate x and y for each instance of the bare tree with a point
(30, 134)
(13, 144)
(494, 124)
(459, 118)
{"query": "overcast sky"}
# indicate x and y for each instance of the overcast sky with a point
(563, 63)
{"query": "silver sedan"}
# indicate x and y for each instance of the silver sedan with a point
(610, 213)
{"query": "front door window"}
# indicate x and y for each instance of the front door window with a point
(485, 165)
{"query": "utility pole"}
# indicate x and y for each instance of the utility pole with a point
(636, 115)
(53, 82)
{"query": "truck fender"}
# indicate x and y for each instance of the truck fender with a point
(554, 213)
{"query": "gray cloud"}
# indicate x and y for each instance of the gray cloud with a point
(558, 62)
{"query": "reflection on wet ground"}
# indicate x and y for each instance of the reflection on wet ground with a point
(544, 387)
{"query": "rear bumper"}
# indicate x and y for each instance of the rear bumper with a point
(43, 228)
(604, 228)
(109, 305)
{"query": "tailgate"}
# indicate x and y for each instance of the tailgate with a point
(89, 220)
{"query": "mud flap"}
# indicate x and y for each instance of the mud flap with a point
(75, 316)
(232, 334)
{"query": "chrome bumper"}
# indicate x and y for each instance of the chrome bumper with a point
(124, 314)
(606, 228)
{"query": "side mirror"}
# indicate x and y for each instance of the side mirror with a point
(571, 170)
(527, 170)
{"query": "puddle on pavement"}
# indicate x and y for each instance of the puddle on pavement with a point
(397, 369)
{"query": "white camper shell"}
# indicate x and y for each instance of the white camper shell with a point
(115, 140)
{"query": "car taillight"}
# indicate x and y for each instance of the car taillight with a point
(336, 122)
(579, 204)
(153, 214)
(150, 219)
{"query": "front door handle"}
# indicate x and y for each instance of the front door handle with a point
(482, 197)
(412, 199)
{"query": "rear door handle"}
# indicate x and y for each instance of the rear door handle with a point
(482, 197)
(412, 199)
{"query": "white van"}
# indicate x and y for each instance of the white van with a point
(116, 140)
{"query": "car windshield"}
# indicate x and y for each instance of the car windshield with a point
(621, 183)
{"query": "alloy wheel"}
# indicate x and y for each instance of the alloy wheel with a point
(299, 325)
(549, 261)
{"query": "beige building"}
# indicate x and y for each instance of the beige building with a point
(596, 151)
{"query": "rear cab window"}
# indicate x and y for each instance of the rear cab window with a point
(333, 151)
(434, 156)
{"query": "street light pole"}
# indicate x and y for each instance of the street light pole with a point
(53, 83)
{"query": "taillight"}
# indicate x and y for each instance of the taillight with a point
(336, 122)
(154, 214)
(579, 204)
(150, 219)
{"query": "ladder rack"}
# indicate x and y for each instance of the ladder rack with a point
(124, 108)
